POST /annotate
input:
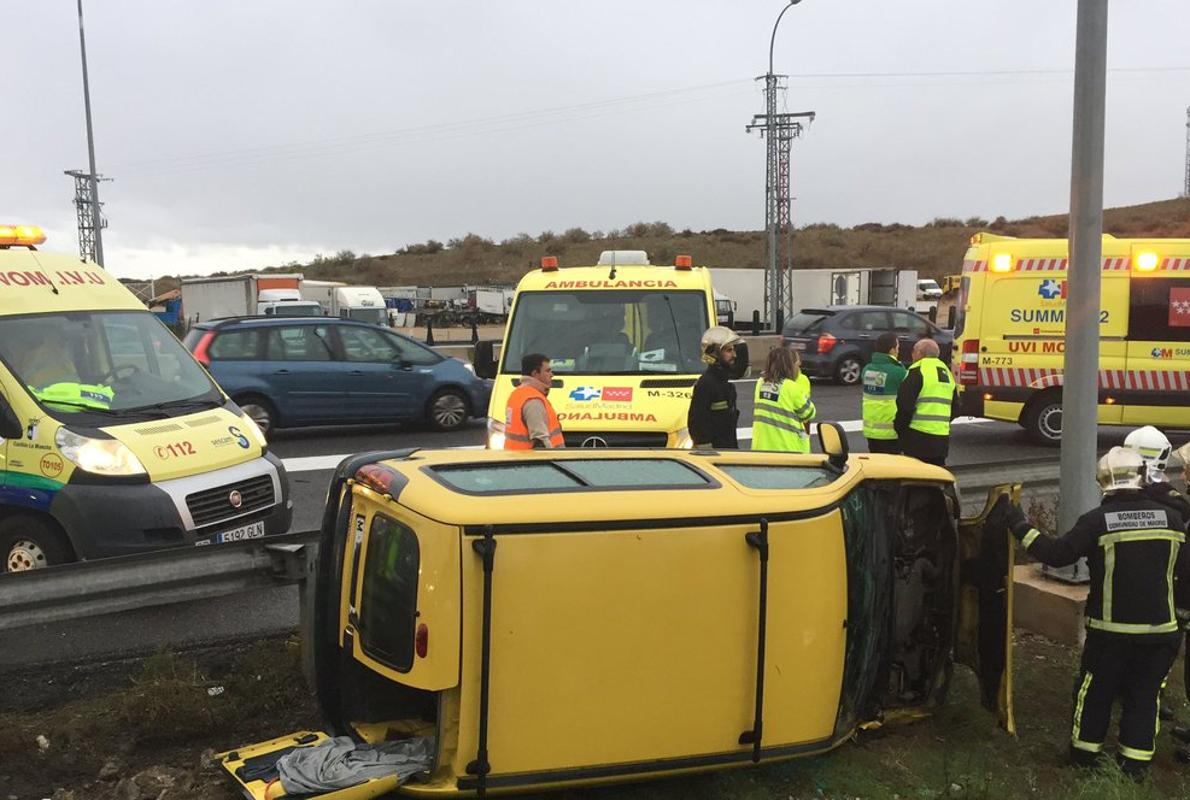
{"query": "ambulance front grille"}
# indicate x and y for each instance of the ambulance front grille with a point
(615, 438)
(213, 505)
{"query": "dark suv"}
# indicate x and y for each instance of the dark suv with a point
(291, 371)
(836, 341)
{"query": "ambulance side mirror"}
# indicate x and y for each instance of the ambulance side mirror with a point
(833, 442)
(10, 425)
(484, 360)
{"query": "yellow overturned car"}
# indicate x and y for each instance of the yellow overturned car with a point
(549, 619)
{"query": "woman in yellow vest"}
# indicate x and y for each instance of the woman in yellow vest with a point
(782, 410)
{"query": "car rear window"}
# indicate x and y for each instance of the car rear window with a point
(760, 476)
(388, 611)
(570, 474)
(805, 322)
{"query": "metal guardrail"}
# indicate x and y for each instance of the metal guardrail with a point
(93, 588)
(108, 586)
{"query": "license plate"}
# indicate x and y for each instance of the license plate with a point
(254, 530)
(797, 345)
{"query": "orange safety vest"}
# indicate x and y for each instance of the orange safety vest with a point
(516, 432)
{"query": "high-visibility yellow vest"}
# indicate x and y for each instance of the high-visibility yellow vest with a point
(781, 415)
(932, 413)
(881, 379)
(76, 394)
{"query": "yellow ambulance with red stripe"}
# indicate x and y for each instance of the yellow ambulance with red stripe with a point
(1011, 326)
(623, 339)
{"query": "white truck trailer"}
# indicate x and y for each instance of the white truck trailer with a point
(339, 299)
(816, 288)
(205, 299)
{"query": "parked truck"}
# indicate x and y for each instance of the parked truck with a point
(815, 287)
(338, 299)
(204, 299)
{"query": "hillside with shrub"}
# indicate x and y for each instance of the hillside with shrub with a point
(934, 249)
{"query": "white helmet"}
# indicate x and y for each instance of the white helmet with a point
(1122, 468)
(714, 340)
(1153, 447)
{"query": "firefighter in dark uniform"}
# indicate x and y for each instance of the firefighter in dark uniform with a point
(1155, 449)
(713, 414)
(1133, 548)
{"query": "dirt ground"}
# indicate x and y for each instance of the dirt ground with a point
(147, 730)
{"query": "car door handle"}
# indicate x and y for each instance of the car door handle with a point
(356, 372)
(281, 372)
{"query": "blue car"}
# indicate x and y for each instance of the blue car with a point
(293, 371)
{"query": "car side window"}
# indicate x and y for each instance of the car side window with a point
(365, 344)
(910, 323)
(299, 343)
(413, 353)
(866, 321)
(1159, 310)
(235, 345)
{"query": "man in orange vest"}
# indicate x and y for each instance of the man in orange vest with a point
(529, 419)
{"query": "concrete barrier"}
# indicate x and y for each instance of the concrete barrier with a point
(758, 350)
(1051, 608)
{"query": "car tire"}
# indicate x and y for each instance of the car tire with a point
(262, 412)
(28, 542)
(447, 410)
(849, 370)
(1042, 418)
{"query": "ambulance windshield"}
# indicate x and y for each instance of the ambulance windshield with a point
(621, 332)
(104, 362)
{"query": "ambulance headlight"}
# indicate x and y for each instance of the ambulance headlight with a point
(98, 456)
(682, 439)
(495, 434)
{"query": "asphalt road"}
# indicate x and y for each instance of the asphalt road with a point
(311, 455)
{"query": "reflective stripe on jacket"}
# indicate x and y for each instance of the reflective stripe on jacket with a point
(932, 412)
(781, 414)
(516, 432)
(881, 379)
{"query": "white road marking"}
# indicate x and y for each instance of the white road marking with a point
(320, 463)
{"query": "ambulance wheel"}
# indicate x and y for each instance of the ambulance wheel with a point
(447, 410)
(1042, 418)
(28, 542)
(849, 371)
(260, 410)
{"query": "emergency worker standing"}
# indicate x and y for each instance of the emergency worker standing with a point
(782, 409)
(881, 380)
(529, 419)
(926, 403)
(1133, 548)
(713, 415)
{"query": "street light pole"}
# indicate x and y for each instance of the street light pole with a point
(98, 220)
(1080, 389)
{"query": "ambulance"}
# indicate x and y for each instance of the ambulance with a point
(1011, 326)
(623, 340)
(113, 439)
(524, 622)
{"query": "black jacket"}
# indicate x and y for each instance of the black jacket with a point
(1164, 493)
(1139, 538)
(713, 414)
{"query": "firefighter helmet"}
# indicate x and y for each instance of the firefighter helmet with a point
(1121, 469)
(715, 339)
(1153, 447)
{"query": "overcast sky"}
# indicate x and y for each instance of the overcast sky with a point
(243, 134)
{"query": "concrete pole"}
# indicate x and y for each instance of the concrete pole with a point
(97, 220)
(1080, 393)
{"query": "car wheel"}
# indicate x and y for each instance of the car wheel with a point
(1043, 419)
(848, 371)
(261, 411)
(447, 410)
(29, 543)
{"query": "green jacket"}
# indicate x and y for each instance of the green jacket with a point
(881, 379)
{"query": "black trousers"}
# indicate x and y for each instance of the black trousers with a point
(925, 447)
(1131, 667)
(884, 446)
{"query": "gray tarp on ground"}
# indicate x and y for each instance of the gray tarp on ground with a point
(342, 762)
